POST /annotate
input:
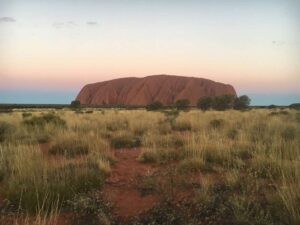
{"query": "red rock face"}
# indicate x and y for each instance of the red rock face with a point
(166, 89)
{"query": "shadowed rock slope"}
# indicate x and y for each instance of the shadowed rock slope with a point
(142, 91)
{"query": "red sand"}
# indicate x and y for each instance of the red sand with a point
(121, 188)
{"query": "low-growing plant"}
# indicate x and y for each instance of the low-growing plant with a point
(194, 165)
(117, 124)
(69, 147)
(42, 120)
(125, 141)
(148, 156)
(90, 209)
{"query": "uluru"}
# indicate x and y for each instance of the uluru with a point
(166, 89)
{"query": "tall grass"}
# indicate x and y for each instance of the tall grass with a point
(255, 152)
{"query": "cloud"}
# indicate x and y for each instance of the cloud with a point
(92, 23)
(7, 20)
(68, 24)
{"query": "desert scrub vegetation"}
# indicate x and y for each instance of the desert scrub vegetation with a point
(242, 167)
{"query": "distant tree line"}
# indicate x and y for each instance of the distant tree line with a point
(222, 102)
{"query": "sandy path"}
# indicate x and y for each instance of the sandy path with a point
(121, 188)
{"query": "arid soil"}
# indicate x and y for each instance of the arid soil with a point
(122, 187)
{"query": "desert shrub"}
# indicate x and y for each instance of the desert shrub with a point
(241, 102)
(295, 106)
(289, 133)
(69, 147)
(182, 104)
(177, 141)
(212, 155)
(167, 155)
(160, 155)
(216, 123)
(248, 212)
(232, 133)
(193, 165)
(204, 103)
(154, 106)
(117, 124)
(6, 129)
(43, 137)
(166, 141)
(243, 154)
(125, 141)
(148, 156)
(266, 168)
(162, 214)
(26, 114)
(181, 126)
(42, 120)
(75, 104)
(223, 102)
(90, 209)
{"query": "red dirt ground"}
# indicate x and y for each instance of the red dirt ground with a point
(121, 188)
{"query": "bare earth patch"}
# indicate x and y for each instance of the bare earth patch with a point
(121, 188)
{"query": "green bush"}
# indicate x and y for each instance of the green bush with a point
(223, 102)
(204, 103)
(182, 104)
(241, 102)
(125, 141)
(154, 106)
(75, 104)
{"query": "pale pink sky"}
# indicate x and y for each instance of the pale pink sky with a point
(62, 45)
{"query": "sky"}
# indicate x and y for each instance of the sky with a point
(49, 49)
